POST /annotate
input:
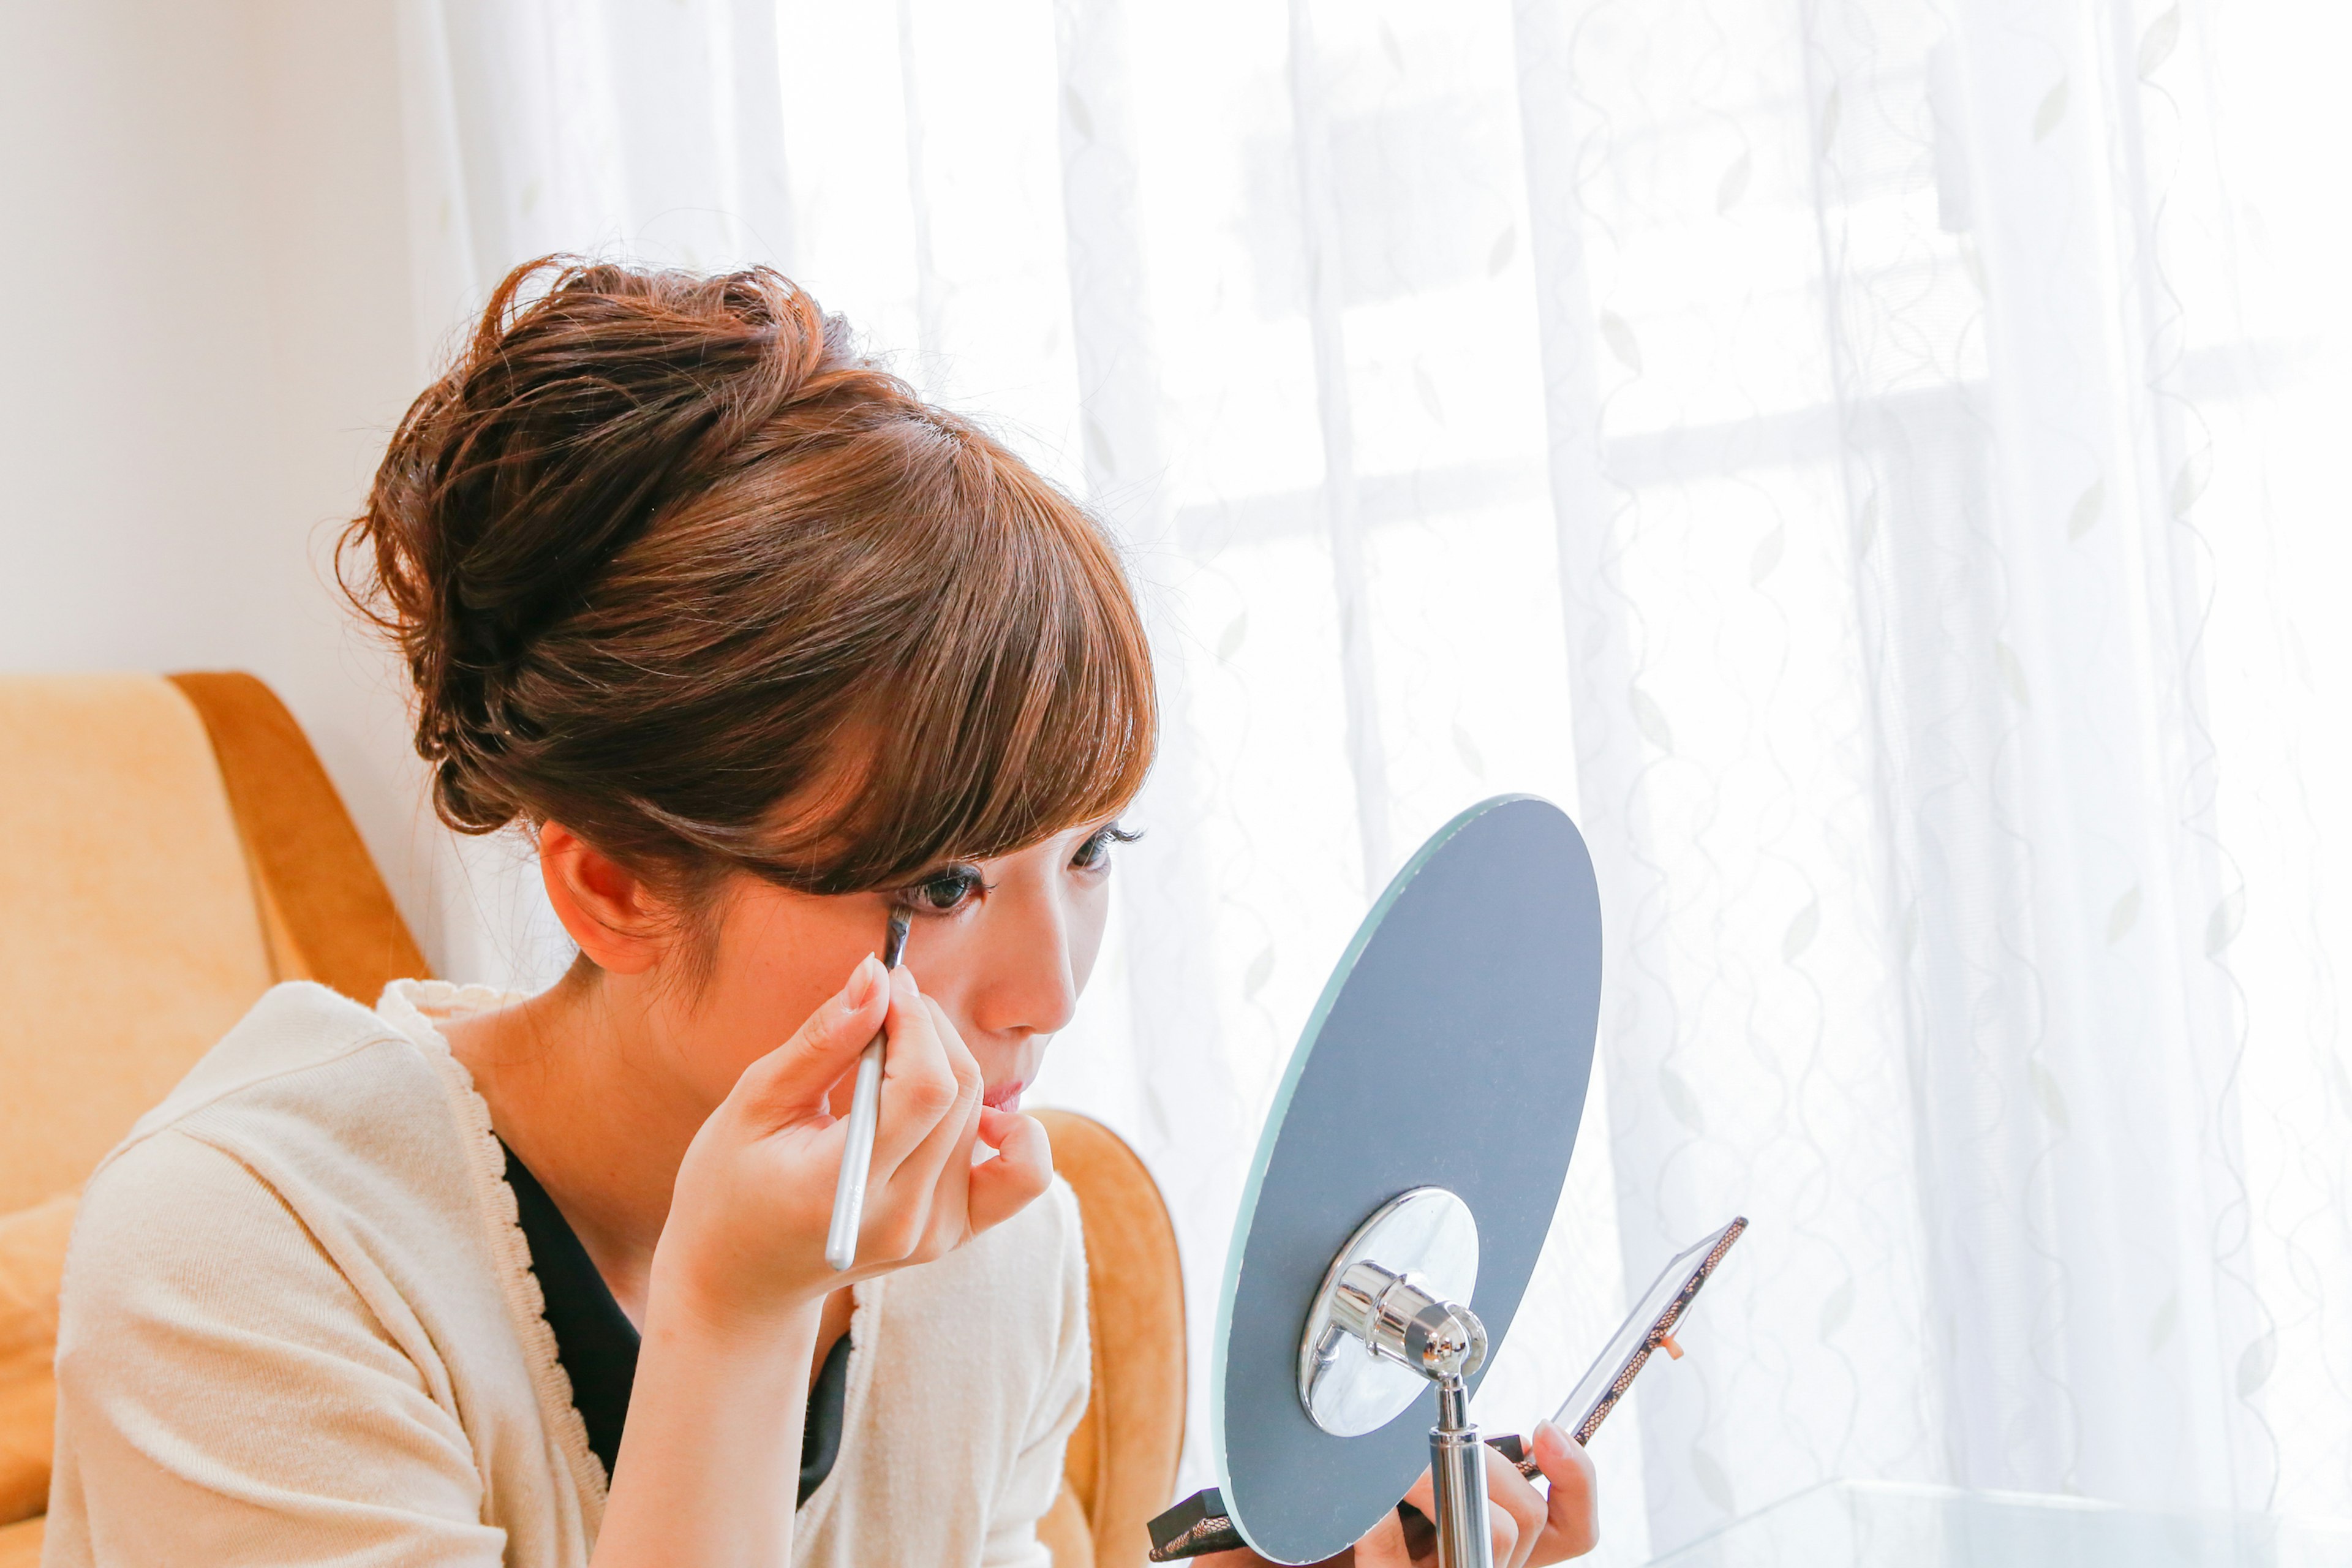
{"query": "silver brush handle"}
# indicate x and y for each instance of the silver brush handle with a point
(856, 1160)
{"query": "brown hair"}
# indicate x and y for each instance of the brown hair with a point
(662, 552)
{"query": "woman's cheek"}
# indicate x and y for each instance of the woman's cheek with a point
(1090, 911)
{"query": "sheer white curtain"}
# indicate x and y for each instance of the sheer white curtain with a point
(1874, 462)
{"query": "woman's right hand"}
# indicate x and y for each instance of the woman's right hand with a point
(744, 1243)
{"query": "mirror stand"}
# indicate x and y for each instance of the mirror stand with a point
(1390, 1318)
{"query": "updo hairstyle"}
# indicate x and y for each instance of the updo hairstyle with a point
(662, 552)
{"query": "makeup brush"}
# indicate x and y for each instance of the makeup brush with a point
(865, 1107)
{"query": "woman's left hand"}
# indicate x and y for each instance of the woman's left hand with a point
(1528, 1528)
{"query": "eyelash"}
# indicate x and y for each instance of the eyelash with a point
(1092, 852)
(965, 882)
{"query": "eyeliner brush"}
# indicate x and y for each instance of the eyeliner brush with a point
(864, 1109)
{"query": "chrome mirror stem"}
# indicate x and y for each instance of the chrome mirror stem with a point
(1457, 1467)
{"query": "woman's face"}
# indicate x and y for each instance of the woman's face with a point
(1003, 945)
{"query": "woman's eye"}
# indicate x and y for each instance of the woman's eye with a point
(1095, 851)
(946, 892)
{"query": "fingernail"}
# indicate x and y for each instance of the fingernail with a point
(862, 983)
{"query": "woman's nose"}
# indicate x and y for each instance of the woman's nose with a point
(1029, 989)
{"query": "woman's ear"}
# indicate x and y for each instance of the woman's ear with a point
(615, 916)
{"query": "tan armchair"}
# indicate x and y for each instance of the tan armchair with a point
(173, 847)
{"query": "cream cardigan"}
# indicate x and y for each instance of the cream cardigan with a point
(299, 1327)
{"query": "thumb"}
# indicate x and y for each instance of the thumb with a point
(1022, 1168)
(796, 1076)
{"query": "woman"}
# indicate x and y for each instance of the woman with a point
(761, 648)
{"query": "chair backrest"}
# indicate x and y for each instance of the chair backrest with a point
(173, 849)
(1122, 1466)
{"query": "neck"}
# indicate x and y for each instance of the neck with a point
(576, 1085)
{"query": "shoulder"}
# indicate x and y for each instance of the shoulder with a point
(315, 1130)
(156, 1188)
(298, 1033)
(173, 1231)
(187, 1272)
(309, 1079)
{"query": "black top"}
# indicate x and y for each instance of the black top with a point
(598, 1345)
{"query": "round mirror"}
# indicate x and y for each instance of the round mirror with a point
(1450, 1050)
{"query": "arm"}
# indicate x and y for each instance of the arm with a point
(709, 1461)
(226, 1396)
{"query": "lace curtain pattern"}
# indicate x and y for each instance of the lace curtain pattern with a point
(1872, 461)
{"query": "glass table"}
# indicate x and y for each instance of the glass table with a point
(1874, 1524)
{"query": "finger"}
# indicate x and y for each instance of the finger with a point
(918, 1082)
(920, 1208)
(1019, 1174)
(1503, 1530)
(1514, 1529)
(936, 1157)
(1508, 1490)
(1572, 1526)
(1423, 1498)
(795, 1077)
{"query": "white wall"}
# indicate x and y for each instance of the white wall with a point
(208, 335)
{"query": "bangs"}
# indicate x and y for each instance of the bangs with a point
(1007, 692)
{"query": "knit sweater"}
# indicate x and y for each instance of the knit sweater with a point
(299, 1327)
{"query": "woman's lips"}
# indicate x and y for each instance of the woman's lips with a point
(1005, 1096)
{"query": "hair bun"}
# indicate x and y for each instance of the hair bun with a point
(589, 397)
